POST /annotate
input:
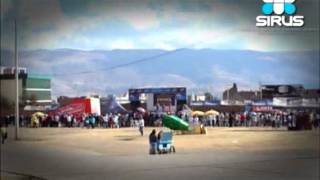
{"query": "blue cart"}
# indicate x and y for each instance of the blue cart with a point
(165, 144)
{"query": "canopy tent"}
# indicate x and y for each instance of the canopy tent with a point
(175, 123)
(141, 109)
(111, 105)
(212, 112)
(197, 113)
(41, 114)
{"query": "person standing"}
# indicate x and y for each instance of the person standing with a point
(69, 120)
(105, 120)
(217, 121)
(131, 121)
(3, 128)
(83, 120)
(56, 120)
(159, 137)
(153, 142)
(111, 121)
(116, 120)
(231, 119)
(242, 119)
(92, 121)
(212, 120)
(196, 120)
(141, 125)
(87, 121)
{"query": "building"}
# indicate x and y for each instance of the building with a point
(291, 96)
(168, 99)
(311, 98)
(307, 98)
(33, 89)
(124, 98)
(281, 90)
(197, 98)
(233, 96)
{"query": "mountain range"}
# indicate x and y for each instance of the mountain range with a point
(79, 72)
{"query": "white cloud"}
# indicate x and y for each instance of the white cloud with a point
(141, 19)
(169, 27)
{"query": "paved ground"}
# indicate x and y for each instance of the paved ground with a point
(235, 153)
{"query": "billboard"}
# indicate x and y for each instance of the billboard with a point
(180, 93)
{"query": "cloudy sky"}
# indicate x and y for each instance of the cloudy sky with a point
(79, 35)
(153, 24)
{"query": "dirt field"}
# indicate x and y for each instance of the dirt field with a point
(127, 141)
(76, 149)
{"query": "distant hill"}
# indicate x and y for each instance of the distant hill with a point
(77, 72)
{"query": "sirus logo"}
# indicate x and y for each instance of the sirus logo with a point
(279, 13)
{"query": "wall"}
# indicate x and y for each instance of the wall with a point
(8, 91)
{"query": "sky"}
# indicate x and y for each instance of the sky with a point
(90, 31)
(152, 24)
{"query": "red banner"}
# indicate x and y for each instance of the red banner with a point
(74, 109)
(77, 107)
(262, 109)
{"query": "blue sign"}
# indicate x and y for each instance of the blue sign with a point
(180, 92)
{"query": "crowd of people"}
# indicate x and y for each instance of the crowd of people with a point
(260, 119)
(294, 120)
(109, 120)
(116, 120)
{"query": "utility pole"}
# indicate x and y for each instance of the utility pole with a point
(17, 79)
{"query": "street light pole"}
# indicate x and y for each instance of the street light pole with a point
(17, 79)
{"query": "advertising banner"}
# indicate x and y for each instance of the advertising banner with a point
(287, 101)
(262, 108)
(179, 92)
(74, 109)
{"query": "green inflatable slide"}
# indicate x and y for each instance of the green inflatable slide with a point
(175, 123)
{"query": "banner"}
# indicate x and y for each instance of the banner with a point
(262, 108)
(74, 109)
(287, 101)
(179, 92)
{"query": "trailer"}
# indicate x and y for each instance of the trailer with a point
(79, 106)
